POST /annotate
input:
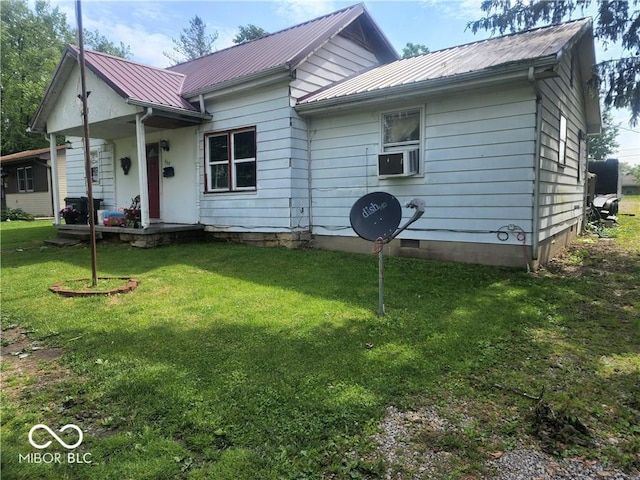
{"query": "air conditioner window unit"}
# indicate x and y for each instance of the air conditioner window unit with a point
(403, 163)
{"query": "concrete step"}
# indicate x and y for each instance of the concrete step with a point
(62, 241)
(80, 235)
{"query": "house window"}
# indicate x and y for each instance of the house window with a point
(401, 129)
(562, 148)
(95, 166)
(25, 179)
(231, 160)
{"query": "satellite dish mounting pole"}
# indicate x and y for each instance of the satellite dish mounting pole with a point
(381, 281)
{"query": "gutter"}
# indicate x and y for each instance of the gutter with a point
(535, 218)
(245, 82)
(165, 108)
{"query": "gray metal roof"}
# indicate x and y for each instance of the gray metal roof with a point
(491, 56)
(285, 49)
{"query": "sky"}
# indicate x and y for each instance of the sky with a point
(148, 28)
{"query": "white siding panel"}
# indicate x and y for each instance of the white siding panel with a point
(477, 167)
(269, 208)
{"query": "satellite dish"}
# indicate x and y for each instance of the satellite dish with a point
(376, 215)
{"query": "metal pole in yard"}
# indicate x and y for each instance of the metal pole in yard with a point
(381, 281)
(87, 146)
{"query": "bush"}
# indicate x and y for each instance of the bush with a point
(15, 214)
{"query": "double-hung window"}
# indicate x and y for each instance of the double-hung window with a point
(562, 144)
(231, 160)
(25, 179)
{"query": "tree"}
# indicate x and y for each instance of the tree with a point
(618, 79)
(31, 43)
(414, 50)
(194, 42)
(248, 33)
(100, 43)
(633, 170)
(603, 145)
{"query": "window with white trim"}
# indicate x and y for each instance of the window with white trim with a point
(231, 160)
(25, 179)
(562, 147)
(401, 129)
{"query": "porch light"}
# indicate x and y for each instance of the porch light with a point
(164, 145)
(68, 145)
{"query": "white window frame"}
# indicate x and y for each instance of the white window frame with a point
(562, 141)
(94, 157)
(25, 176)
(395, 146)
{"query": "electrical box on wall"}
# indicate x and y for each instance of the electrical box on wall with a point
(403, 163)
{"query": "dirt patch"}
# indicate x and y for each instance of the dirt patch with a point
(24, 358)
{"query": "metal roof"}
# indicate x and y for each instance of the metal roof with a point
(284, 49)
(136, 81)
(42, 153)
(490, 56)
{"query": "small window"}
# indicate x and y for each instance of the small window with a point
(562, 147)
(400, 129)
(94, 156)
(25, 179)
(231, 161)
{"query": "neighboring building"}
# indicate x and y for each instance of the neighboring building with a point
(27, 181)
(276, 139)
(630, 185)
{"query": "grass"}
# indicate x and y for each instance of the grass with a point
(235, 362)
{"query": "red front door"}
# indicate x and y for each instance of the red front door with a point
(153, 180)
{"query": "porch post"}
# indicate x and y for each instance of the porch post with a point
(142, 168)
(55, 192)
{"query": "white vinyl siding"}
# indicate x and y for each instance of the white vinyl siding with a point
(267, 207)
(561, 196)
(338, 59)
(477, 161)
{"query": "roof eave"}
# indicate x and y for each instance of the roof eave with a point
(246, 82)
(169, 109)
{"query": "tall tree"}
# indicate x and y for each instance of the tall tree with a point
(95, 41)
(248, 33)
(31, 43)
(414, 50)
(619, 79)
(194, 42)
(603, 145)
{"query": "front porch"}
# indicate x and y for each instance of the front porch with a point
(155, 235)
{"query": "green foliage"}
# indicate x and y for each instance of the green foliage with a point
(603, 145)
(248, 33)
(32, 42)
(194, 42)
(619, 79)
(11, 214)
(414, 50)
(95, 41)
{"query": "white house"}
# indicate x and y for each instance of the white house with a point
(273, 141)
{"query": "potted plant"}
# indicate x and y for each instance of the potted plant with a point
(70, 215)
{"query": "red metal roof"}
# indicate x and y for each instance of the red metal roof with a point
(285, 49)
(136, 81)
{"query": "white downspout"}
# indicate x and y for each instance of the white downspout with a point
(53, 151)
(535, 231)
(142, 166)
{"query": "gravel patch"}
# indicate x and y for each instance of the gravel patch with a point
(401, 446)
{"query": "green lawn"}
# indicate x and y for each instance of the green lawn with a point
(231, 362)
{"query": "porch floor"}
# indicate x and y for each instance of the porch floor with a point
(156, 234)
